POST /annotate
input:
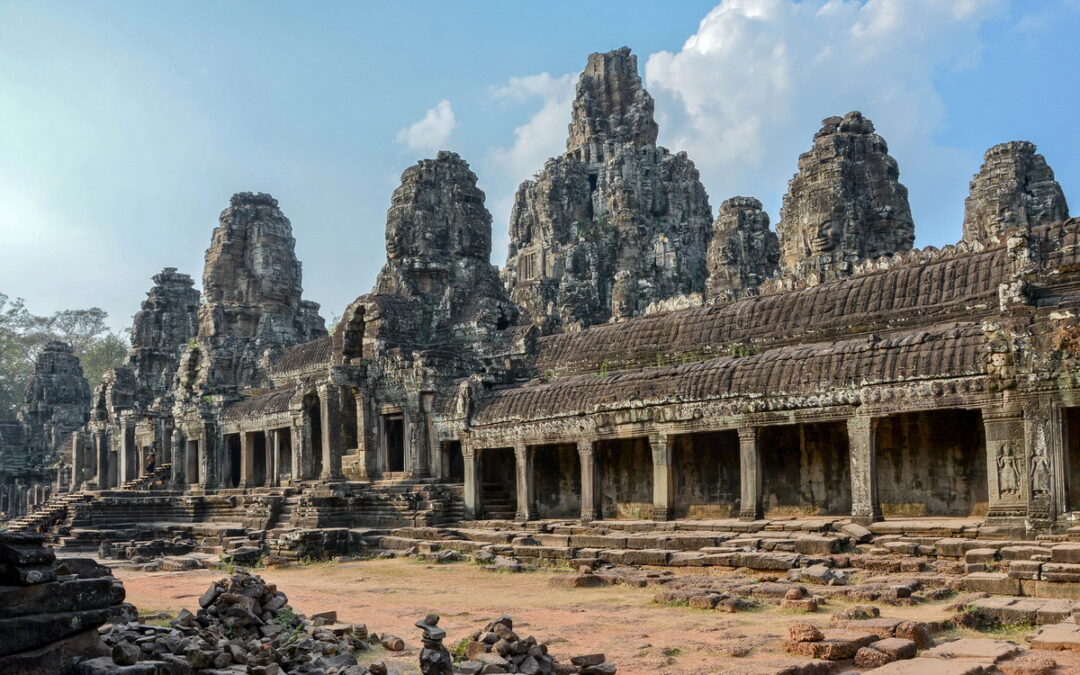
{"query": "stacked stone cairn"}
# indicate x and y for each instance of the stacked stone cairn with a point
(434, 658)
(50, 609)
(498, 649)
(243, 625)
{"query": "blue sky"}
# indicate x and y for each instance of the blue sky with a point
(125, 126)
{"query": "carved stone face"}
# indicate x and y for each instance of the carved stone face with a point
(828, 237)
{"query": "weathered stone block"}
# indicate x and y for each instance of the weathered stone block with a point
(1068, 572)
(1065, 553)
(991, 582)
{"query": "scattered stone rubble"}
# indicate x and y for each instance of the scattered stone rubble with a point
(242, 622)
(498, 649)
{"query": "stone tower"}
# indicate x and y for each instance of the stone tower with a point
(252, 288)
(743, 252)
(56, 401)
(616, 222)
(438, 251)
(163, 326)
(1014, 188)
(845, 204)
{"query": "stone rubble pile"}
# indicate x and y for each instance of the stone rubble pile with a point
(243, 625)
(498, 649)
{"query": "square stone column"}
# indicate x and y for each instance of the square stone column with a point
(178, 473)
(663, 494)
(101, 448)
(330, 407)
(1045, 455)
(589, 493)
(523, 471)
(79, 460)
(1006, 464)
(128, 455)
(862, 454)
(750, 473)
(247, 459)
(296, 436)
(473, 490)
(273, 456)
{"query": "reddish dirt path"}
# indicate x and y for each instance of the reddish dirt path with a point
(637, 635)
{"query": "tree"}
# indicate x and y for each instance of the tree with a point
(22, 335)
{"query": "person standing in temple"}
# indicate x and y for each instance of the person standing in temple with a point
(151, 458)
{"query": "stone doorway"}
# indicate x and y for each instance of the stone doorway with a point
(285, 456)
(1070, 418)
(259, 464)
(312, 468)
(706, 474)
(232, 450)
(557, 481)
(499, 481)
(191, 462)
(806, 470)
(932, 463)
(394, 429)
(626, 476)
(451, 462)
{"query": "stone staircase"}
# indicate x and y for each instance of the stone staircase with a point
(285, 513)
(498, 503)
(49, 514)
(146, 481)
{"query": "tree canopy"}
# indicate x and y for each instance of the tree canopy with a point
(23, 334)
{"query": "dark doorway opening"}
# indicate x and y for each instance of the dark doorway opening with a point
(394, 425)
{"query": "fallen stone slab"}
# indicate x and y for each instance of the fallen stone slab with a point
(974, 648)
(1056, 637)
(925, 666)
(895, 648)
(1028, 663)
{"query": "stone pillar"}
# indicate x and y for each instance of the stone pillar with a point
(273, 456)
(297, 436)
(750, 476)
(862, 453)
(101, 449)
(247, 459)
(663, 494)
(179, 458)
(1045, 455)
(425, 436)
(330, 406)
(523, 471)
(364, 448)
(128, 455)
(589, 493)
(473, 489)
(1007, 468)
(79, 460)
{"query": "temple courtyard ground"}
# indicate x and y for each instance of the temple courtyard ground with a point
(637, 634)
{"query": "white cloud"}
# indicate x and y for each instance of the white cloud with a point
(745, 93)
(432, 131)
(544, 135)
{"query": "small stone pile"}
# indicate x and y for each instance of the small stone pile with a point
(498, 649)
(243, 625)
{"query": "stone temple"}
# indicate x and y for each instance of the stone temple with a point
(635, 359)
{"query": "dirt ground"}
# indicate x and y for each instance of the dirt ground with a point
(624, 623)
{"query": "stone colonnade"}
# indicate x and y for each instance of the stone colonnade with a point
(18, 498)
(1022, 454)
